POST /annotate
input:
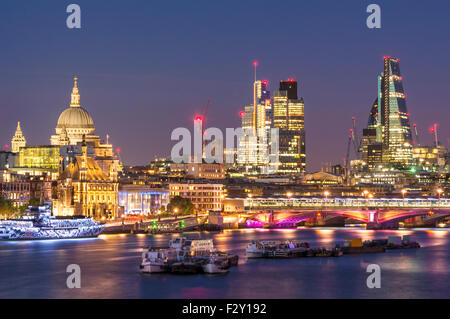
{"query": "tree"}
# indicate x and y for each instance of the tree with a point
(31, 202)
(180, 206)
(7, 209)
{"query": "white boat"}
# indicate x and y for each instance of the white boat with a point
(157, 260)
(187, 256)
(275, 249)
(215, 266)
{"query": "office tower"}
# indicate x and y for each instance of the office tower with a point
(371, 148)
(262, 107)
(253, 150)
(393, 117)
(387, 140)
(288, 117)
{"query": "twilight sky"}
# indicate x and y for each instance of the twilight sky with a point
(147, 67)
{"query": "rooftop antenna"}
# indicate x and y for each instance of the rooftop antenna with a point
(255, 64)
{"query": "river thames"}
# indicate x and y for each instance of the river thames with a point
(110, 268)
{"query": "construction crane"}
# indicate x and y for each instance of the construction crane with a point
(434, 130)
(205, 112)
(356, 140)
(203, 126)
(416, 134)
(347, 157)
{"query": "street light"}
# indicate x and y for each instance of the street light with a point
(403, 193)
(439, 191)
(326, 194)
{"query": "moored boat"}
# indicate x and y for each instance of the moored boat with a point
(216, 265)
(276, 249)
(187, 256)
(157, 260)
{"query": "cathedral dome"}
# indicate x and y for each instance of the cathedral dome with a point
(74, 124)
(75, 117)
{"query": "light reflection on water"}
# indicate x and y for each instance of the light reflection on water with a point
(109, 266)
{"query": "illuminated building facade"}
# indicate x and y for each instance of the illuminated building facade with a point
(18, 140)
(85, 190)
(40, 160)
(204, 196)
(15, 188)
(200, 170)
(253, 150)
(160, 166)
(387, 140)
(137, 199)
(288, 117)
(394, 129)
(430, 159)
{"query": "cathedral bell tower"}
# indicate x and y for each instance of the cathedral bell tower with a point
(18, 140)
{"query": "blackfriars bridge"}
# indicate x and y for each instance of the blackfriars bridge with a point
(375, 212)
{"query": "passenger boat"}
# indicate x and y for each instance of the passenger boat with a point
(38, 223)
(276, 249)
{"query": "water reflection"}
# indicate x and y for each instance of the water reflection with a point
(110, 268)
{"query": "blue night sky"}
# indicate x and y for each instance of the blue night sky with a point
(147, 67)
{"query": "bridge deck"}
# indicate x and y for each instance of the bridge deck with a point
(280, 203)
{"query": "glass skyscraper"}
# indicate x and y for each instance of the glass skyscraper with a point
(394, 129)
(288, 117)
(253, 150)
(387, 140)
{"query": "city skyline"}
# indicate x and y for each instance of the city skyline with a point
(36, 87)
